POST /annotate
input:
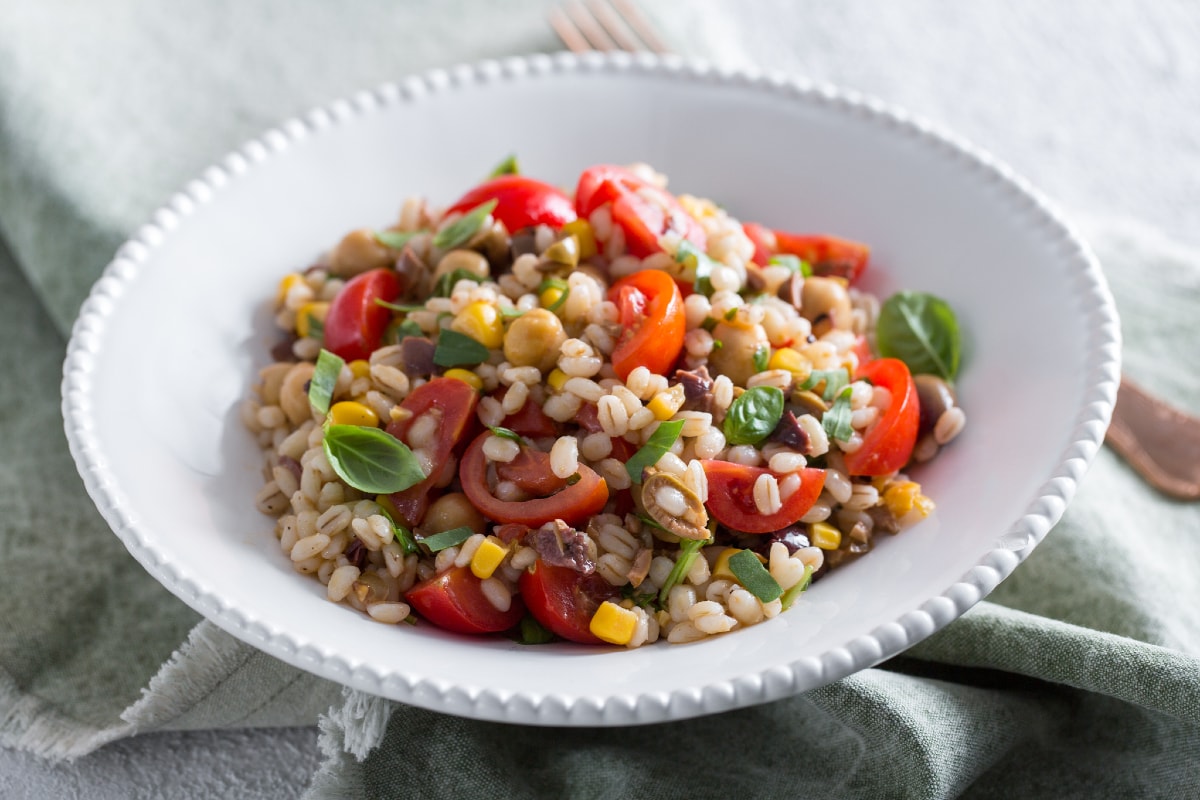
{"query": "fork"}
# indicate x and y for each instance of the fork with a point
(1160, 442)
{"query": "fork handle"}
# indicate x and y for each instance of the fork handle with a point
(1160, 442)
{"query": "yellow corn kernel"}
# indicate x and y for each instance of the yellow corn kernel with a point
(613, 624)
(900, 497)
(349, 412)
(285, 286)
(550, 295)
(582, 230)
(489, 555)
(788, 359)
(557, 379)
(360, 368)
(667, 403)
(721, 565)
(924, 505)
(825, 536)
(309, 312)
(466, 376)
(482, 322)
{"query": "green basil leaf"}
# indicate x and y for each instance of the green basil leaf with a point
(398, 330)
(574, 479)
(762, 357)
(403, 309)
(450, 538)
(530, 631)
(456, 349)
(316, 328)
(508, 166)
(402, 534)
(791, 594)
(371, 460)
(709, 324)
(505, 433)
(922, 331)
(445, 284)
(836, 421)
(753, 416)
(690, 255)
(396, 240)
(751, 574)
(462, 229)
(324, 379)
(655, 447)
(641, 599)
(688, 550)
(835, 380)
(793, 263)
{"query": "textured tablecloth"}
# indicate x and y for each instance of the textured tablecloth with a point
(1078, 677)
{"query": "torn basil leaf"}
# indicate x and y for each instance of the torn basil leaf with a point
(451, 538)
(508, 166)
(456, 349)
(324, 379)
(751, 574)
(462, 229)
(922, 331)
(836, 421)
(753, 415)
(656, 447)
(370, 459)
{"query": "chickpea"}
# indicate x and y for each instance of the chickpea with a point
(358, 252)
(739, 344)
(468, 260)
(534, 340)
(452, 510)
(826, 303)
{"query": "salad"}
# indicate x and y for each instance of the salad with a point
(612, 417)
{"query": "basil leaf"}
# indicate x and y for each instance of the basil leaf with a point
(688, 550)
(456, 349)
(574, 479)
(445, 284)
(753, 416)
(641, 599)
(922, 331)
(403, 535)
(655, 447)
(398, 330)
(316, 328)
(450, 538)
(403, 309)
(508, 166)
(371, 460)
(751, 574)
(709, 324)
(462, 229)
(505, 433)
(793, 263)
(791, 594)
(836, 421)
(762, 357)
(324, 379)
(396, 240)
(530, 631)
(690, 255)
(835, 380)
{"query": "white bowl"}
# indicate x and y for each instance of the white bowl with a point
(171, 337)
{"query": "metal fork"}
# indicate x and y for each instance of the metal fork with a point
(1160, 442)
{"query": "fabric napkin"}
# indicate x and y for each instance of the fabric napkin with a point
(1078, 677)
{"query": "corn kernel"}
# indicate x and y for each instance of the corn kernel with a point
(360, 368)
(549, 296)
(489, 555)
(349, 412)
(900, 497)
(285, 286)
(557, 379)
(613, 624)
(788, 359)
(924, 505)
(721, 568)
(466, 376)
(666, 404)
(825, 536)
(307, 313)
(583, 232)
(482, 322)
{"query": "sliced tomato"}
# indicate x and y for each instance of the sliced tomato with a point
(827, 255)
(888, 443)
(520, 202)
(453, 402)
(573, 504)
(564, 600)
(588, 418)
(764, 242)
(653, 320)
(644, 212)
(731, 497)
(454, 601)
(530, 421)
(355, 323)
(531, 472)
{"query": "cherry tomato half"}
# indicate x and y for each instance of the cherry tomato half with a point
(642, 210)
(653, 318)
(564, 600)
(731, 497)
(520, 202)
(453, 402)
(572, 504)
(529, 421)
(454, 601)
(827, 255)
(355, 323)
(888, 443)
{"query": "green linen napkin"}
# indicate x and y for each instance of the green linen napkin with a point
(1078, 678)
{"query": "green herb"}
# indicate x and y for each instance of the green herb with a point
(555, 283)
(505, 433)
(753, 416)
(445, 284)
(403, 535)
(688, 550)
(835, 380)
(450, 538)
(642, 599)
(762, 357)
(793, 263)
(836, 421)
(403, 309)
(647, 521)
(371, 460)
(396, 240)
(750, 573)
(411, 619)
(922, 331)
(730, 314)
(508, 166)
(324, 379)
(398, 330)
(655, 447)
(456, 349)
(709, 324)
(574, 479)
(530, 631)
(462, 229)
(511, 312)
(791, 594)
(690, 255)
(316, 328)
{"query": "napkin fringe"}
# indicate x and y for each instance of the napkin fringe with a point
(29, 723)
(354, 729)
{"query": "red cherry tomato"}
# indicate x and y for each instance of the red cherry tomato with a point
(642, 210)
(454, 601)
(764, 241)
(520, 202)
(572, 504)
(827, 255)
(530, 421)
(355, 322)
(731, 497)
(888, 443)
(453, 402)
(653, 318)
(564, 600)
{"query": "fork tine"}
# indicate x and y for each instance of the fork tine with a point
(566, 30)
(634, 18)
(592, 30)
(625, 37)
